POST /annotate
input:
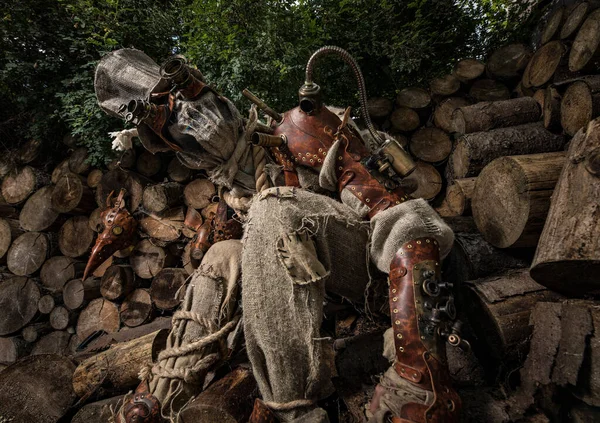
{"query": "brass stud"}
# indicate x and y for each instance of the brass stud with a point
(397, 202)
(303, 159)
(368, 200)
(415, 375)
(435, 242)
(401, 253)
(340, 168)
(397, 322)
(319, 160)
(353, 188)
(416, 267)
(307, 154)
(340, 158)
(436, 263)
(395, 310)
(422, 337)
(418, 242)
(394, 290)
(312, 161)
(320, 150)
(401, 349)
(427, 241)
(399, 336)
(403, 370)
(409, 246)
(395, 299)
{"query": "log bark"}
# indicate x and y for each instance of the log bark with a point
(568, 254)
(37, 214)
(99, 314)
(94, 178)
(114, 181)
(580, 104)
(576, 18)
(458, 196)
(75, 237)
(442, 117)
(178, 172)
(199, 193)
(18, 185)
(523, 186)
(116, 369)
(498, 114)
(13, 348)
(472, 257)
(489, 90)
(148, 164)
(19, 303)
(552, 100)
(427, 180)
(117, 282)
(136, 308)
(57, 271)
(431, 145)
(444, 86)
(61, 318)
(508, 62)
(28, 252)
(72, 195)
(46, 304)
(379, 108)
(78, 161)
(585, 46)
(473, 152)
(499, 310)
(160, 197)
(34, 331)
(167, 288)
(405, 120)
(37, 389)
(468, 70)
(9, 231)
(229, 400)
(543, 64)
(539, 96)
(77, 293)
(554, 24)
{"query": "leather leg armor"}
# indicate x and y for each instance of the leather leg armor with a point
(422, 311)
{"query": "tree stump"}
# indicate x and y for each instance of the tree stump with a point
(444, 86)
(19, 303)
(427, 180)
(136, 308)
(167, 288)
(431, 145)
(568, 254)
(37, 389)
(77, 293)
(508, 62)
(442, 117)
(522, 185)
(585, 46)
(552, 100)
(199, 193)
(473, 152)
(117, 282)
(379, 108)
(72, 195)
(498, 114)
(116, 369)
(29, 251)
(405, 120)
(178, 172)
(94, 178)
(57, 271)
(117, 179)
(78, 161)
(37, 214)
(160, 197)
(99, 314)
(489, 90)
(18, 185)
(580, 104)
(543, 64)
(75, 237)
(468, 70)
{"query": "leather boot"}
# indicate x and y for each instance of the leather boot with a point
(417, 388)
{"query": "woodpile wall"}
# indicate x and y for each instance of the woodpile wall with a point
(507, 151)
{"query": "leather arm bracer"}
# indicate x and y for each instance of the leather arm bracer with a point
(309, 138)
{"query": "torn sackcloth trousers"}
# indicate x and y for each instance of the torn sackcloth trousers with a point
(297, 245)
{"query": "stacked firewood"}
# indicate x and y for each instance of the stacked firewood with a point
(509, 154)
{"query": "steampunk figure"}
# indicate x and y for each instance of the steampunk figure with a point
(337, 205)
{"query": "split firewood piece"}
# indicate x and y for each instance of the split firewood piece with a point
(19, 184)
(12, 348)
(552, 100)
(136, 308)
(554, 24)
(57, 271)
(459, 194)
(29, 251)
(37, 214)
(147, 259)
(576, 18)
(100, 314)
(543, 64)
(523, 185)
(117, 282)
(60, 170)
(427, 180)
(508, 62)
(580, 104)
(178, 172)
(9, 231)
(199, 193)
(568, 254)
(442, 117)
(585, 46)
(116, 370)
(44, 379)
(167, 289)
(75, 237)
(431, 145)
(72, 195)
(78, 293)
(468, 70)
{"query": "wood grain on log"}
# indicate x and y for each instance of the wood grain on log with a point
(147, 259)
(19, 303)
(148, 164)
(178, 172)
(100, 314)
(30, 151)
(61, 318)
(136, 308)
(75, 237)
(190, 263)
(543, 64)
(467, 70)
(60, 170)
(117, 179)
(498, 114)
(553, 25)
(46, 304)
(117, 282)
(508, 62)
(28, 252)
(94, 178)
(575, 19)
(37, 389)
(160, 197)
(522, 185)
(11, 349)
(585, 46)
(445, 85)
(442, 117)
(18, 185)
(78, 161)
(99, 411)
(459, 194)
(414, 98)
(9, 230)
(431, 145)
(37, 214)
(489, 90)
(57, 271)
(34, 331)
(427, 180)
(72, 195)
(77, 293)
(473, 152)
(167, 288)
(198, 193)
(379, 107)
(405, 120)
(552, 100)
(116, 369)
(568, 255)
(580, 104)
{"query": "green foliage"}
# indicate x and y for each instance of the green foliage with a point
(48, 51)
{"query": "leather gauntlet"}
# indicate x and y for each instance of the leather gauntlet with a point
(422, 312)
